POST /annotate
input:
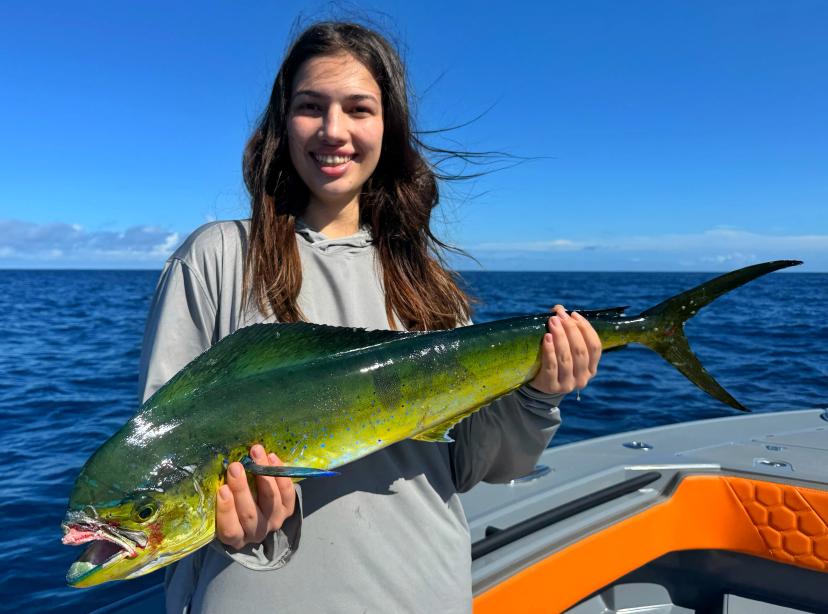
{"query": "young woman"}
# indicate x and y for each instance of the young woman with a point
(339, 234)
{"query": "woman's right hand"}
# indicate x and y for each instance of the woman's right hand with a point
(241, 517)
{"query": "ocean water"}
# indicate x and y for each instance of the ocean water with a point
(69, 352)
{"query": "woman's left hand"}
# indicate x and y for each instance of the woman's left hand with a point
(244, 517)
(570, 352)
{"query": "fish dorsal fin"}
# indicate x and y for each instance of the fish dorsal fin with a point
(261, 348)
(605, 312)
(256, 348)
(440, 433)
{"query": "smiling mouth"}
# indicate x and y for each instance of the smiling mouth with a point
(332, 160)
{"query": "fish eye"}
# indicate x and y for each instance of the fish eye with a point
(144, 509)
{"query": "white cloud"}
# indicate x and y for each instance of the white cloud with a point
(564, 245)
(717, 248)
(730, 240)
(57, 244)
(170, 244)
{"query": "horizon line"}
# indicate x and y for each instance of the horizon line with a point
(790, 270)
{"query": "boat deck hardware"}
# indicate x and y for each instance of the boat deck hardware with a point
(776, 464)
(498, 538)
(637, 445)
(538, 472)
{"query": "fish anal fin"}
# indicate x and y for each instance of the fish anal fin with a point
(440, 432)
(438, 435)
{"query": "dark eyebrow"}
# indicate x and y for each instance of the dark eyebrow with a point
(310, 93)
(353, 97)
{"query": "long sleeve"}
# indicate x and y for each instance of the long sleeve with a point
(503, 441)
(181, 325)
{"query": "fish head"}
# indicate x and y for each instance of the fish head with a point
(135, 522)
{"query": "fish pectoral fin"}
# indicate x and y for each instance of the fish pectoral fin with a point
(281, 471)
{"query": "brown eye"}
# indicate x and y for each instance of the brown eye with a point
(307, 108)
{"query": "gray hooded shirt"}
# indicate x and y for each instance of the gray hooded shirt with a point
(386, 535)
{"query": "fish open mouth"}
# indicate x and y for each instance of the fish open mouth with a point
(109, 545)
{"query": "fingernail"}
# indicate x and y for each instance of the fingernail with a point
(224, 493)
(257, 451)
(556, 321)
(547, 338)
(577, 315)
(564, 314)
(235, 470)
(273, 458)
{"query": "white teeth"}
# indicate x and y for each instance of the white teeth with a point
(332, 160)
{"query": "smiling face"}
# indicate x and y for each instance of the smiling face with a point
(335, 128)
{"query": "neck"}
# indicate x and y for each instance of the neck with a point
(333, 220)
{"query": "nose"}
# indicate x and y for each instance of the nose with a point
(333, 129)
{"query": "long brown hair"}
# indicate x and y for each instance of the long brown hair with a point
(395, 204)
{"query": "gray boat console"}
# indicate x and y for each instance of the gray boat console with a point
(764, 464)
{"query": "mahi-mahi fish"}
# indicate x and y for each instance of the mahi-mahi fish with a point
(319, 397)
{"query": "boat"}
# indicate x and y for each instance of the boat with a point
(726, 515)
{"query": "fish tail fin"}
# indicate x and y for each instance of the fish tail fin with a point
(665, 332)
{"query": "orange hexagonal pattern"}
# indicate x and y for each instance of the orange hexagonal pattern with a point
(795, 501)
(792, 521)
(768, 495)
(782, 522)
(821, 547)
(772, 537)
(810, 524)
(782, 518)
(796, 543)
(758, 513)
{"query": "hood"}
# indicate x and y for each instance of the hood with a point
(353, 244)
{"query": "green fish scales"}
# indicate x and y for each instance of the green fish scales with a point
(320, 397)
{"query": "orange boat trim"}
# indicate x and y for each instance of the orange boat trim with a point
(774, 521)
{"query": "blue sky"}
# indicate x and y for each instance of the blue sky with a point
(666, 135)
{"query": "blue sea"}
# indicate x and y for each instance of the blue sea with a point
(70, 342)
